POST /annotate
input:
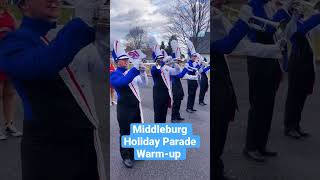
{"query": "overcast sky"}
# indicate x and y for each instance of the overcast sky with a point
(126, 14)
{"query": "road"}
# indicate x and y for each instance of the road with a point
(197, 164)
(298, 159)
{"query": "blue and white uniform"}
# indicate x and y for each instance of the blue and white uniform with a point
(224, 97)
(162, 90)
(58, 118)
(265, 75)
(204, 85)
(301, 66)
(126, 83)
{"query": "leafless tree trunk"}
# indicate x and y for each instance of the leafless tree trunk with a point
(136, 38)
(189, 19)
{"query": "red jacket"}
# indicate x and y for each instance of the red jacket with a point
(7, 24)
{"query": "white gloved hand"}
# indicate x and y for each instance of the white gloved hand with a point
(287, 4)
(142, 68)
(245, 13)
(281, 44)
(137, 63)
(86, 10)
(316, 7)
(297, 8)
(168, 60)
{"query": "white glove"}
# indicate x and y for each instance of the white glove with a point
(142, 68)
(86, 10)
(245, 13)
(316, 8)
(287, 4)
(176, 67)
(281, 44)
(297, 8)
(167, 60)
(137, 63)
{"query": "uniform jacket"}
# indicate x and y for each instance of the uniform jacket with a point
(38, 67)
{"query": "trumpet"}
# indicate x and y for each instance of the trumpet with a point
(260, 27)
(265, 23)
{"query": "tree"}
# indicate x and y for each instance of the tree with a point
(162, 46)
(136, 38)
(189, 18)
(169, 48)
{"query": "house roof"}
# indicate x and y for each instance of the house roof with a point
(203, 46)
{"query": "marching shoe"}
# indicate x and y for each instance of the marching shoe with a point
(2, 135)
(253, 155)
(202, 103)
(128, 162)
(180, 118)
(225, 177)
(12, 131)
(175, 120)
(189, 110)
(292, 133)
(268, 153)
(194, 110)
(303, 133)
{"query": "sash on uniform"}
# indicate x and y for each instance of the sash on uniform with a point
(135, 90)
(70, 80)
(166, 79)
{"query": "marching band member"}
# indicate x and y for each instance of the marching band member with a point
(59, 119)
(224, 98)
(228, 40)
(265, 75)
(245, 47)
(193, 69)
(162, 91)
(204, 85)
(301, 67)
(177, 89)
(126, 82)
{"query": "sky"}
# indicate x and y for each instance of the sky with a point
(126, 14)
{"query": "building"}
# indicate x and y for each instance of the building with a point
(203, 45)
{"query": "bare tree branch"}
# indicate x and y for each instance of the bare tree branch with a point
(136, 38)
(189, 18)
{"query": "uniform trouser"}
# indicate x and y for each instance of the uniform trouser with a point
(64, 159)
(221, 119)
(203, 88)
(262, 91)
(176, 108)
(192, 90)
(161, 100)
(126, 116)
(298, 90)
(294, 106)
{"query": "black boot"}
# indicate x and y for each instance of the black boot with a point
(127, 159)
(292, 133)
(268, 153)
(253, 155)
(303, 133)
